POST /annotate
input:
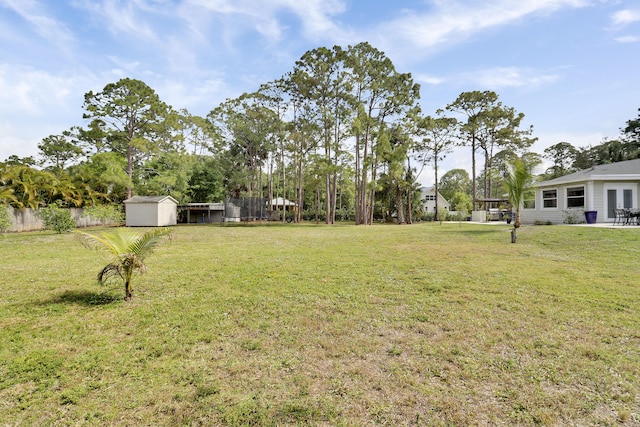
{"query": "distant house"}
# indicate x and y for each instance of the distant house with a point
(151, 211)
(279, 204)
(598, 189)
(429, 200)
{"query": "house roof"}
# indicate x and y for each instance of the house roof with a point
(430, 190)
(427, 190)
(150, 199)
(282, 202)
(627, 170)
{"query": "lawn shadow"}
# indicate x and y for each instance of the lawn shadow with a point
(85, 298)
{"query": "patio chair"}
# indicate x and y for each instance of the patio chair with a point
(633, 216)
(620, 216)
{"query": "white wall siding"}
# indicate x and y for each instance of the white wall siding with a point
(151, 211)
(167, 213)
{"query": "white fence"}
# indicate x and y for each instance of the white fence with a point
(27, 220)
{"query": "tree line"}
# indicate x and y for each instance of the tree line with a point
(342, 134)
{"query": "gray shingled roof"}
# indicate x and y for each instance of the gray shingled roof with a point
(629, 169)
(148, 199)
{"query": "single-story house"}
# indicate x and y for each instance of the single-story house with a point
(279, 204)
(151, 211)
(600, 189)
(428, 198)
(276, 206)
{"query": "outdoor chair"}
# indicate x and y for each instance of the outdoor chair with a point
(633, 216)
(620, 216)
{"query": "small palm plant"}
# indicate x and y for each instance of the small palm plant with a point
(129, 249)
(517, 179)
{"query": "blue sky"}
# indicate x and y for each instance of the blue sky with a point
(571, 66)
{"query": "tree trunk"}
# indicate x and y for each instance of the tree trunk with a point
(514, 235)
(128, 291)
(358, 205)
(399, 205)
(435, 186)
(473, 171)
(410, 205)
(284, 183)
(300, 200)
(130, 171)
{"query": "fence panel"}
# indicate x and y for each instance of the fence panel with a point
(27, 220)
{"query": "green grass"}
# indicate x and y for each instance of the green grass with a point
(425, 324)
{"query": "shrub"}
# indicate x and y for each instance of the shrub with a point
(457, 216)
(106, 214)
(443, 214)
(5, 219)
(56, 218)
(541, 222)
(572, 216)
(428, 216)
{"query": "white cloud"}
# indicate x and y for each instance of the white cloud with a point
(627, 39)
(429, 79)
(495, 78)
(625, 17)
(198, 97)
(502, 77)
(452, 21)
(33, 92)
(124, 20)
(263, 16)
(316, 16)
(42, 24)
(34, 104)
(124, 66)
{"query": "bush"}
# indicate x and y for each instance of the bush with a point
(106, 214)
(5, 219)
(541, 222)
(443, 214)
(56, 218)
(310, 215)
(428, 216)
(572, 216)
(457, 216)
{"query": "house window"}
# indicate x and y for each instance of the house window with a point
(550, 198)
(575, 197)
(529, 203)
(529, 199)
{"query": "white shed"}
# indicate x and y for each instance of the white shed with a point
(151, 211)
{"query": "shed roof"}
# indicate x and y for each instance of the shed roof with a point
(150, 199)
(626, 170)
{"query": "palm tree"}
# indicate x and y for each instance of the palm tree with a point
(129, 249)
(517, 178)
(6, 195)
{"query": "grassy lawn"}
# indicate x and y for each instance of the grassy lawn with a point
(425, 324)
